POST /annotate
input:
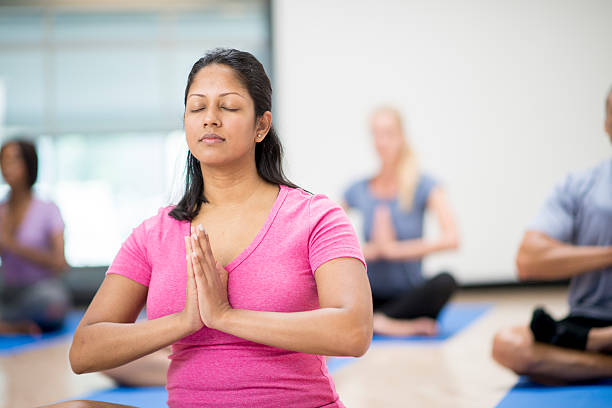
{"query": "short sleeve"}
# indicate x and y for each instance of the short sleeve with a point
(331, 234)
(351, 195)
(56, 223)
(557, 216)
(425, 187)
(132, 261)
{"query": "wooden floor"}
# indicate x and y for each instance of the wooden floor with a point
(458, 372)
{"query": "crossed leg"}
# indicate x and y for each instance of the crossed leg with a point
(516, 349)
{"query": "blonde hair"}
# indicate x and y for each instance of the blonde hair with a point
(408, 166)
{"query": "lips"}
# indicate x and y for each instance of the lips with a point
(211, 138)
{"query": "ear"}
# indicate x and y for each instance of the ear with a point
(264, 123)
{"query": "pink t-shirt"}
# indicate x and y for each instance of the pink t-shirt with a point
(274, 273)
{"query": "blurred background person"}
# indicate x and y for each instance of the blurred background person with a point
(32, 297)
(393, 204)
(571, 237)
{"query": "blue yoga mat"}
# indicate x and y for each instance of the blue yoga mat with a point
(11, 344)
(527, 394)
(146, 397)
(453, 318)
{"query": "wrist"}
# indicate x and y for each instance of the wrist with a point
(187, 324)
(223, 319)
(390, 250)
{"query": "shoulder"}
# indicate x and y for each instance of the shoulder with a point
(161, 220)
(356, 186)
(426, 179)
(580, 182)
(47, 207)
(356, 193)
(426, 184)
(302, 204)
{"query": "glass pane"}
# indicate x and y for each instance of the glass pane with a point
(21, 27)
(111, 90)
(23, 78)
(79, 27)
(108, 184)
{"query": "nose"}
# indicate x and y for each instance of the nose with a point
(212, 118)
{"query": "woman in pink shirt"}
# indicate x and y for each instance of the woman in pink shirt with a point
(249, 278)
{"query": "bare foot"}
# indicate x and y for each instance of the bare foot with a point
(24, 327)
(422, 326)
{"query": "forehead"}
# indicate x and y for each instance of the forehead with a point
(217, 78)
(11, 149)
(384, 118)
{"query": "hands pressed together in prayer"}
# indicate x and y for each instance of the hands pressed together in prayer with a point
(206, 301)
(383, 241)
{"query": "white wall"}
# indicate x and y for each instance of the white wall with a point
(500, 98)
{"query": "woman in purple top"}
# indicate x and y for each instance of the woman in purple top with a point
(31, 247)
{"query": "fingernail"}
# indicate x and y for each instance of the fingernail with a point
(192, 230)
(195, 237)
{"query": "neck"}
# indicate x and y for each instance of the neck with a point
(230, 185)
(19, 195)
(387, 173)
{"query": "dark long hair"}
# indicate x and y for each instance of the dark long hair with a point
(268, 152)
(29, 157)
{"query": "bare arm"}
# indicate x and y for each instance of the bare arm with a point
(107, 336)
(53, 258)
(419, 248)
(541, 257)
(342, 326)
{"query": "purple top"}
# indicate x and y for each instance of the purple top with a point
(40, 223)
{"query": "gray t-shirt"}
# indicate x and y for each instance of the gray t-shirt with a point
(388, 278)
(579, 212)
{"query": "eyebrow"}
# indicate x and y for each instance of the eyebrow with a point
(223, 94)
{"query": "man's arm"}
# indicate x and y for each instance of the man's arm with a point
(541, 257)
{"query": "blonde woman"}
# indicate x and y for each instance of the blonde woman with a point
(393, 204)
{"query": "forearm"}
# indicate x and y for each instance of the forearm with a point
(415, 249)
(561, 261)
(105, 345)
(48, 259)
(326, 331)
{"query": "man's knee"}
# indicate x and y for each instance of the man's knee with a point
(85, 404)
(513, 348)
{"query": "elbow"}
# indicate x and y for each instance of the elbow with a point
(524, 268)
(360, 339)
(77, 362)
(451, 242)
(454, 243)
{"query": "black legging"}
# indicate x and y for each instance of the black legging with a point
(423, 301)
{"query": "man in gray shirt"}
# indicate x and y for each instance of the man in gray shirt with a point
(570, 238)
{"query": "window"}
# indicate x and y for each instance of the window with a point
(101, 91)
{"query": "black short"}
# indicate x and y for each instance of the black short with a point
(586, 322)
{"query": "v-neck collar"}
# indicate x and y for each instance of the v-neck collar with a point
(26, 216)
(280, 198)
